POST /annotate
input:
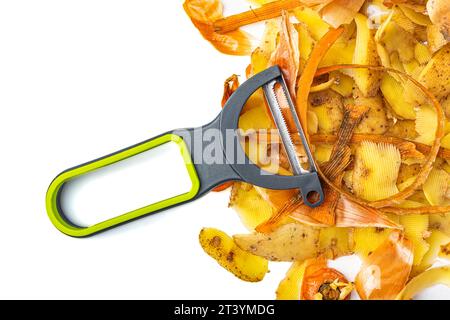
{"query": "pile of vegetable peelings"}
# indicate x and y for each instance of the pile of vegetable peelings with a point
(371, 83)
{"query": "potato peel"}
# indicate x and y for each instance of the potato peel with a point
(222, 248)
(435, 241)
(289, 287)
(415, 229)
(426, 125)
(435, 187)
(289, 242)
(376, 170)
(425, 280)
(250, 206)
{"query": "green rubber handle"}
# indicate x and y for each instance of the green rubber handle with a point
(62, 223)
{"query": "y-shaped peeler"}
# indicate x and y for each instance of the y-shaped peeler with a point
(231, 164)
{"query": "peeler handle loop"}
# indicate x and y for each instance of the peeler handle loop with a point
(204, 176)
(53, 197)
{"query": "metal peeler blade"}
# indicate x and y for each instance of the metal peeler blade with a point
(286, 136)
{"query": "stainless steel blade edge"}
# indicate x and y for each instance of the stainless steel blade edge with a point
(280, 121)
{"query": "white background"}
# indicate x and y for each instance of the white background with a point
(78, 80)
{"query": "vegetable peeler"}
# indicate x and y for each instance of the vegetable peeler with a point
(231, 163)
